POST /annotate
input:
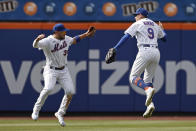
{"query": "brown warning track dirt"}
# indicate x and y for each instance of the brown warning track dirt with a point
(110, 118)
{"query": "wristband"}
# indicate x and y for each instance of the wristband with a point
(77, 38)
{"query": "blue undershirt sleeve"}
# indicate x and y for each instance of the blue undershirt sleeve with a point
(122, 41)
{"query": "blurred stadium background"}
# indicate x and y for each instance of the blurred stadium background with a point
(100, 90)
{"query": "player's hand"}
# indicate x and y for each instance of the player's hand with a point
(40, 37)
(160, 24)
(91, 31)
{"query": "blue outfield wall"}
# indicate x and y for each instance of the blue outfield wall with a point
(99, 87)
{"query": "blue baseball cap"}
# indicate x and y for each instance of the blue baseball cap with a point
(141, 11)
(59, 27)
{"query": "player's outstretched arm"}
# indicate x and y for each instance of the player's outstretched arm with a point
(35, 42)
(122, 41)
(111, 54)
(89, 33)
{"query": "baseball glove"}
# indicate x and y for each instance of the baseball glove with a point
(110, 56)
(91, 31)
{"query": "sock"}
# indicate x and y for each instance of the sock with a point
(140, 83)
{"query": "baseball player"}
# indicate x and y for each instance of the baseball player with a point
(55, 48)
(147, 32)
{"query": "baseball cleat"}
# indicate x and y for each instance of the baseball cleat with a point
(149, 94)
(149, 110)
(60, 119)
(35, 115)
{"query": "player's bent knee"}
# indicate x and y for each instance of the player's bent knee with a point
(69, 91)
(47, 90)
(131, 78)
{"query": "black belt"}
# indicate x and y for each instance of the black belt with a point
(57, 68)
(155, 46)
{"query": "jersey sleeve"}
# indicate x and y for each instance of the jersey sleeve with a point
(132, 29)
(69, 40)
(42, 43)
(161, 33)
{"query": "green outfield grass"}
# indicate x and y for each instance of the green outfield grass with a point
(97, 125)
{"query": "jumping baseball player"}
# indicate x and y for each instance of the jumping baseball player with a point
(55, 48)
(147, 32)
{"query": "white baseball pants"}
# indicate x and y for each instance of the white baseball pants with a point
(146, 61)
(50, 78)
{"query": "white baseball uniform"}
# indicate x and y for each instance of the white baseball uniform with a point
(56, 69)
(147, 32)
